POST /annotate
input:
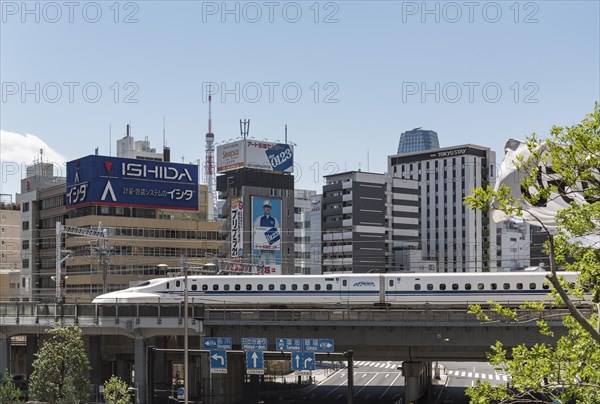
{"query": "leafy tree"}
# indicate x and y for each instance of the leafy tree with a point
(61, 368)
(115, 391)
(9, 393)
(561, 170)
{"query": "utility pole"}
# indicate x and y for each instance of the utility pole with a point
(60, 230)
(185, 331)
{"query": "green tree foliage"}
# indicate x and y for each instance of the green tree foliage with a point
(61, 368)
(115, 391)
(9, 393)
(570, 370)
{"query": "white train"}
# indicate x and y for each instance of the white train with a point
(391, 288)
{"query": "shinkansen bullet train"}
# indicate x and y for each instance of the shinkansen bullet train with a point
(409, 288)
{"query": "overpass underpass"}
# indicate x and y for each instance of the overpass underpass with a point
(121, 338)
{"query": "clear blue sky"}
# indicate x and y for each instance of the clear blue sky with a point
(369, 61)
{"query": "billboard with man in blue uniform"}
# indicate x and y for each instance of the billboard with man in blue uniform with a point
(266, 234)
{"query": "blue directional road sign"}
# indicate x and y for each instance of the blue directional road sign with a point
(303, 361)
(317, 345)
(254, 344)
(255, 361)
(218, 361)
(213, 343)
(289, 344)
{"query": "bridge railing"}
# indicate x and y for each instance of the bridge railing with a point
(11, 313)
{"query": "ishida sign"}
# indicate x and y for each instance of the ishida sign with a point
(101, 180)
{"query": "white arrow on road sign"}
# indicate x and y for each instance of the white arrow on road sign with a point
(307, 360)
(298, 361)
(254, 358)
(219, 357)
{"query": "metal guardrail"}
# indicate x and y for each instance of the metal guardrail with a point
(12, 313)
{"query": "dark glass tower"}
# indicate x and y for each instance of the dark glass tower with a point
(418, 140)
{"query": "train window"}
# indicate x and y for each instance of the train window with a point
(205, 287)
(259, 286)
(177, 284)
(480, 286)
(317, 287)
(493, 286)
(329, 286)
(467, 286)
(429, 286)
(532, 285)
(545, 286)
(305, 286)
(282, 286)
(519, 286)
(226, 286)
(194, 287)
(294, 287)
(215, 287)
(344, 282)
(248, 286)
(417, 286)
(506, 286)
(442, 286)
(237, 286)
(168, 285)
(455, 286)
(391, 283)
(271, 286)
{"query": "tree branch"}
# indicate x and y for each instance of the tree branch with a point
(552, 277)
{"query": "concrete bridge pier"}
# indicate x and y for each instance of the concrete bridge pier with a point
(4, 352)
(417, 376)
(160, 372)
(95, 355)
(30, 350)
(140, 361)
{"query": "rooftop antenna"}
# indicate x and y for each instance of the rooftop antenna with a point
(164, 134)
(109, 139)
(244, 128)
(286, 133)
(367, 160)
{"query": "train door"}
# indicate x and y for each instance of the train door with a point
(391, 285)
(344, 289)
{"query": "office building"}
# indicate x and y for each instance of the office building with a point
(257, 185)
(513, 245)
(368, 219)
(11, 260)
(451, 235)
(139, 237)
(417, 140)
(307, 232)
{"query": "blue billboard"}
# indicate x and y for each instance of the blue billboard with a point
(101, 180)
(266, 234)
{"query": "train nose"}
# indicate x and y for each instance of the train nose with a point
(112, 297)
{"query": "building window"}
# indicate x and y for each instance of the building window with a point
(25, 244)
(25, 207)
(25, 225)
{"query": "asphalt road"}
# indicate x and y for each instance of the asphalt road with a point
(382, 382)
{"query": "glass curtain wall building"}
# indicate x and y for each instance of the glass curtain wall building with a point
(418, 140)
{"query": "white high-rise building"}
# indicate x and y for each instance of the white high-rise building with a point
(455, 237)
(307, 232)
